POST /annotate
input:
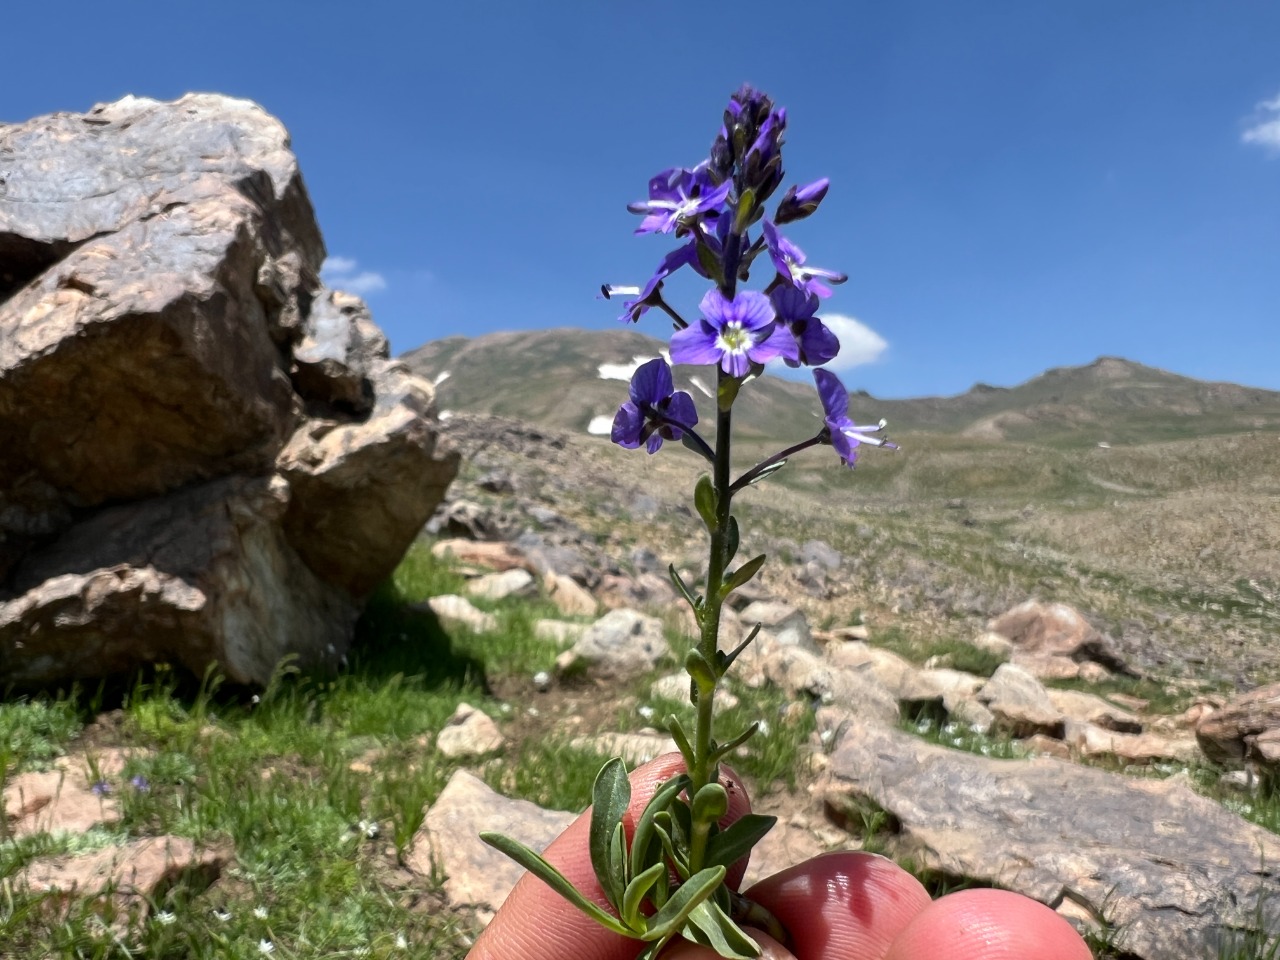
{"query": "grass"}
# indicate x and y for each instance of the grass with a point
(34, 732)
(921, 646)
(960, 736)
(317, 785)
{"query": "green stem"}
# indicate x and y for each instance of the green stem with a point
(705, 771)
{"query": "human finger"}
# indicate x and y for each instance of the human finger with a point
(842, 906)
(536, 923)
(988, 925)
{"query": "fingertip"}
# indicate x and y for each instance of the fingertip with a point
(842, 904)
(988, 925)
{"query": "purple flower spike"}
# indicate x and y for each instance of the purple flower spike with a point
(846, 435)
(790, 261)
(101, 788)
(815, 343)
(734, 334)
(798, 202)
(655, 411)
(677, 198)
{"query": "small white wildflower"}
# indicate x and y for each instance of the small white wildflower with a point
(401, 942)
(763, 728)
(222, 916)
(165, 917)
(826, 736)
(646, 712)
(260, 912)
(370, 828)
(265, 946)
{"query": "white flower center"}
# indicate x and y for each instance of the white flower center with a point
(733, 339)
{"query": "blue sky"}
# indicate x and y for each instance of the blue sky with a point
(1015, 185)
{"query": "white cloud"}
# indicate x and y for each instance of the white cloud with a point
(859, 344)
(338, 265)
(366, 281)
(1264, 130)
(340, 272)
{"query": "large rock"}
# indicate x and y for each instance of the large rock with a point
(1174, 872)
(201, 575)
(1054, 639)
(621, 644)
(209, 457)
(1247, 728)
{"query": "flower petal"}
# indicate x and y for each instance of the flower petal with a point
(627, 423)
(651, 383)
(835, 398)
(681, 409)
(695, 344)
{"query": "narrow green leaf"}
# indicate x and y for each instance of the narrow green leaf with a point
(610, 798)
(676, 853)
(535, 864)
(727, 392)
(710, 926)
(672, 723)
(733, 654)
(708, 260)
(768, 471)
(695, 602)
(736, 742)
(635, 893)
(641, 841)
(676, 911)
(705, 499)
(746, 206)
(735, 841)
(710, 803)
(731, 542)
(681, 824)
(742, 575)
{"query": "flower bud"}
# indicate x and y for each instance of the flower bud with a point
(799, 202)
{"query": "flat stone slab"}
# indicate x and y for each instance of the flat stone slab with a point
(1177, 873)
(477, 875)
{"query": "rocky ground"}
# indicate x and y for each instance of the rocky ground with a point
(890, 637)
(1146, 856)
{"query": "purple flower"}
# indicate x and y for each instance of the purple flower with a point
(677, 198)
(101, 788)
(790, 259)
(140, 783)
(734, 334)
(798, 203)
(651, 293)
(845, 435)
(815, 343)
(654, 413)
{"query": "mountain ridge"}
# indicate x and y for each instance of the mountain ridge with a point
(1111, 399)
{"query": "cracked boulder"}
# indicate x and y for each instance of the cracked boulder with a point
(166, 345)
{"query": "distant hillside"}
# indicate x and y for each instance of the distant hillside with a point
(553, 377)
